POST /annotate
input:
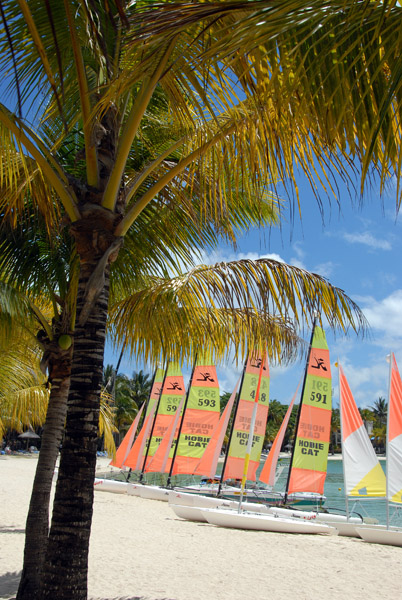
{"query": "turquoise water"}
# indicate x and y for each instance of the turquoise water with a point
(333, 490)
(335, 494)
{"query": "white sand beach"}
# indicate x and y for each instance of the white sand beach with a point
(140, 549)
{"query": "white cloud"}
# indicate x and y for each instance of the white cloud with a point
(385, 316)
(367, 239)
(325, 269)
(227, 256)
(364, 361)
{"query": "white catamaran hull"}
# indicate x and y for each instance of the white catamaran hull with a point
(209, 502)
(109, 485)
(381, 535)
(190, 506)
(262, 522)
(189, 513)
(153, 492)
(306, 499)
(322, 517)
(346, 527)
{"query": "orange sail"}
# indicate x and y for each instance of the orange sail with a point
(268, 471)
(200, 418)
(237, 450)
(156, 389)
(158, 462)
(308, 467)
(172, 393)
(135, 458)
(126, 445)
(207, 464)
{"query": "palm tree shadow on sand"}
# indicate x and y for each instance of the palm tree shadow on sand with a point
(9, 584)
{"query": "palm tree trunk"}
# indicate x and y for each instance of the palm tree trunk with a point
(66, 569)
(37, 524)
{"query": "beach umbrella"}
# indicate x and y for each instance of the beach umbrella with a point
(29, 435)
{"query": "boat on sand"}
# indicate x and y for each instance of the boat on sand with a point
(265, 522)
(386, 534)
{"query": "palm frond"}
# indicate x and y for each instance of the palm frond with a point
(333, 70)
(106, 427)
(245, 304)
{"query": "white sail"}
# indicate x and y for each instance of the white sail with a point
(363, 474)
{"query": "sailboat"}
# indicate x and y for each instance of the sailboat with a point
(239, 434)
(240, 519)
(234, 459)
(313, 423)
(131, 448)
(184, 441)
(363, 475)
(162, 436)
(387, 534)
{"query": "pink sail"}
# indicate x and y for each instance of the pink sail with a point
(172, 392)
(135, 457)
(267, 474)
(209, 461)
(238, 445)
(394, 445)
(158, 462)
(200, 417)
(127, 442)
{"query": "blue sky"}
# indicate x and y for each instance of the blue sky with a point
(358, 250)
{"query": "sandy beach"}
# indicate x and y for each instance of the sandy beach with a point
(140, 549)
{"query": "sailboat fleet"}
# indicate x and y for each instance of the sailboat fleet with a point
(183, 433)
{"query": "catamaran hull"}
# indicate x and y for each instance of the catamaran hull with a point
(109, 485)
(379, 535)
(134, 489)
(190, 506)
(153, 492)
(345, 527)
(189, 513)
(261, 522)
(268, 497)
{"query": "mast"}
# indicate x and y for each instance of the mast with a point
(342, 445)
(389, 359)
(181, 424)
(153, 426)
(299, 411)
(251, 434)
(149, 397)
(143, 408)
(231, 429)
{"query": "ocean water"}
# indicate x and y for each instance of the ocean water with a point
(335, 496)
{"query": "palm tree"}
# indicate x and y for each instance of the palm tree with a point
(335, 429)
(380, 411)
(128, 396)
(28, 397)
(23, 393)
(140, 384)
(92, 77)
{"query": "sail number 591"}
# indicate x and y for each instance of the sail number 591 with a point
(317, 394)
